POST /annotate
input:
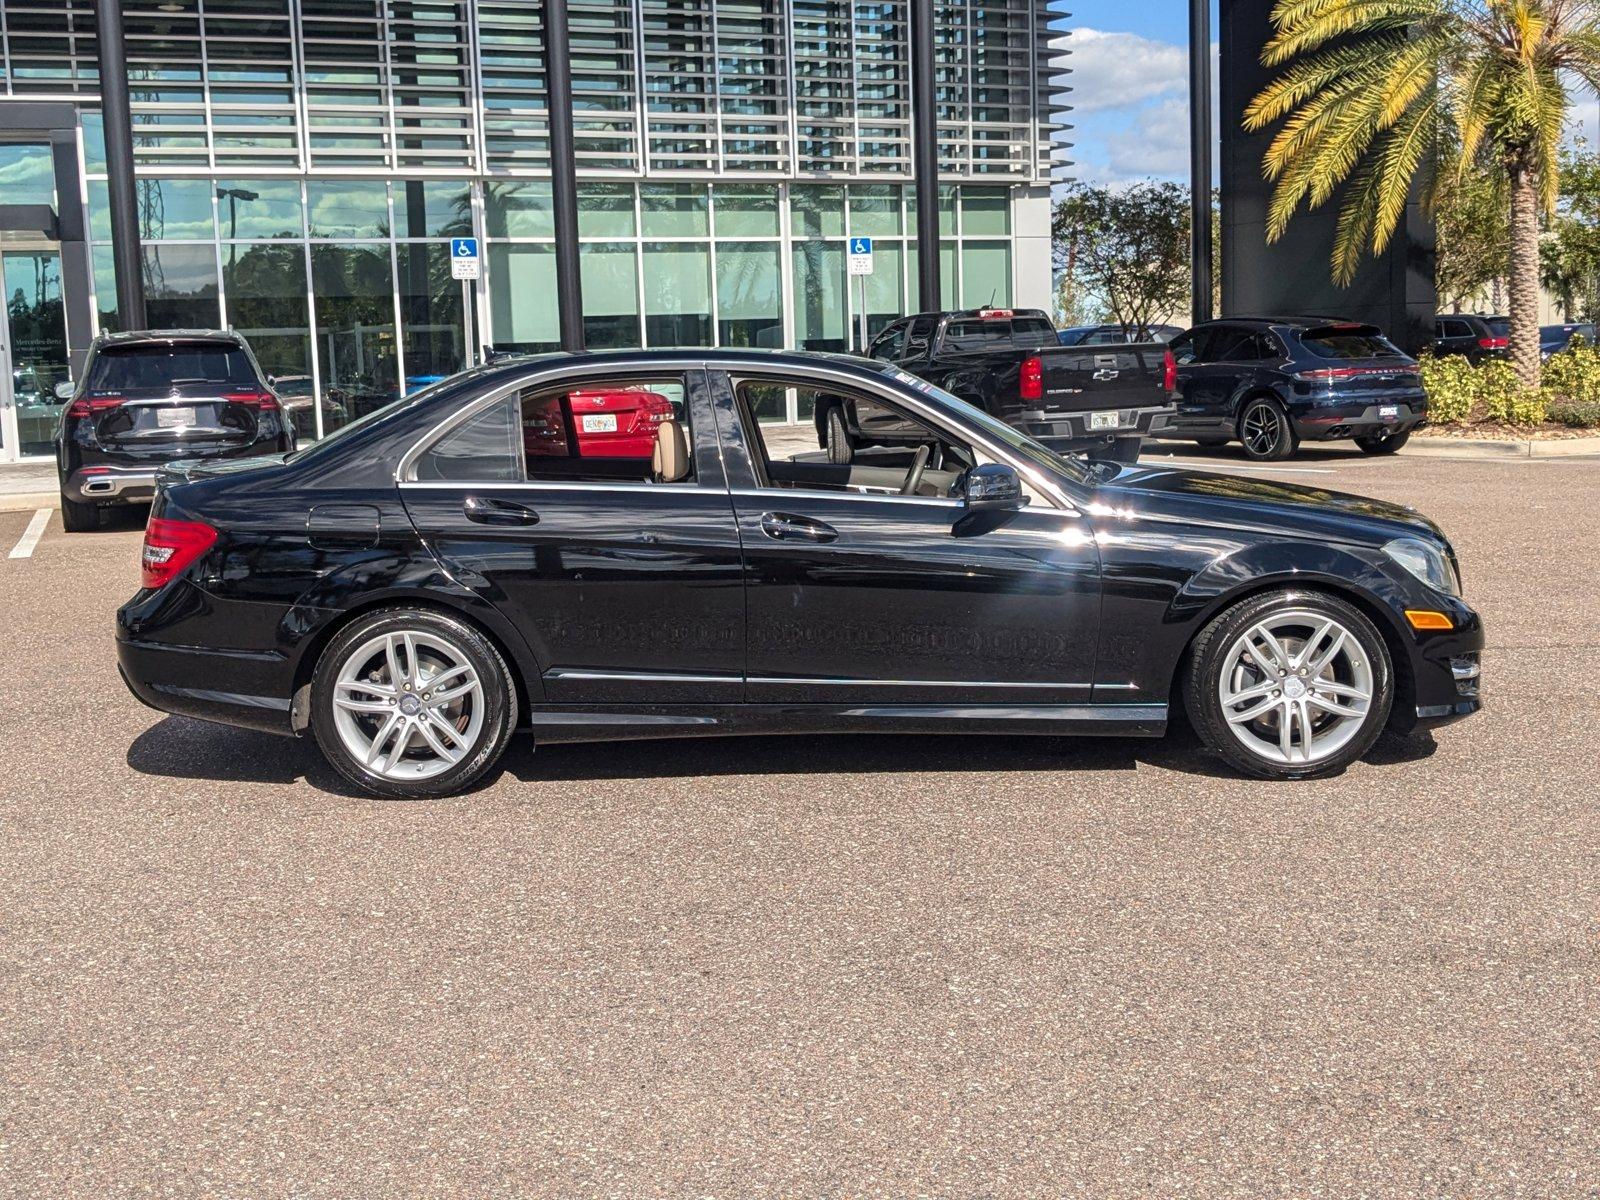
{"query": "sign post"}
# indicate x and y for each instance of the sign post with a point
(861, 267)
(466, 266)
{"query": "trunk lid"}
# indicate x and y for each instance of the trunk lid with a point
(1085, 378)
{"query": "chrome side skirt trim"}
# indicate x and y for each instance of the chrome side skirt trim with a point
(568, 673)
(923, 683)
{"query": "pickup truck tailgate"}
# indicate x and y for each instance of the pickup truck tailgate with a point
(1103, 377)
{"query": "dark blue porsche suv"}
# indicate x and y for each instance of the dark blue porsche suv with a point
(1270, 383)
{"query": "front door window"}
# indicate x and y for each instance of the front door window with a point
(33, 334)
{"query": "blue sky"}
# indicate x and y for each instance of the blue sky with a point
(1130, 84)
(1130, 94)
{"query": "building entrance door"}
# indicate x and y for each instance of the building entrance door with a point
(33, 353)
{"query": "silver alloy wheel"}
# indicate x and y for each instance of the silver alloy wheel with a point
(1296, 687)
(1263, 427)
(408, 705)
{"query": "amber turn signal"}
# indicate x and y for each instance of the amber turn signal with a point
(1426, 618)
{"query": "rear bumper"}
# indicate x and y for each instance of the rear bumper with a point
(1325, 422)
(1073, 431)
(110, 485)
(249, 689)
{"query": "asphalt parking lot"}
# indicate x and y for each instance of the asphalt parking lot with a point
(815, 966)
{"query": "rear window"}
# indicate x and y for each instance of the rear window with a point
(136, 368)
(1350, 345)
(1498, 326)
(1023, 333)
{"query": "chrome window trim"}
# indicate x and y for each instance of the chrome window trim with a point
(552, 373)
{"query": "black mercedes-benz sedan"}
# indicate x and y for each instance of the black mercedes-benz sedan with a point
(150, 397)
(467, 562)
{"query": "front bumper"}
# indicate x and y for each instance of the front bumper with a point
(1328, 422)
(110, 485)
(1062, 431)
(1444, 683)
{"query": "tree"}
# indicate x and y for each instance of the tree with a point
(1470, 210)
(1366, 87)
(1569, 257)
(1127, 248)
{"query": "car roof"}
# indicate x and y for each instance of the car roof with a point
(514, 364)
(169, 337)
(1258, 321)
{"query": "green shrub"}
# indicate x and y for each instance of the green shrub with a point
(1449, 384)
(1575, 414)
(1574, 375)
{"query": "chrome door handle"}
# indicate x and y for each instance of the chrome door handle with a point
(783, 527)
(487, 510)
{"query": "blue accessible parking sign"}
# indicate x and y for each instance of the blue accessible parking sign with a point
(464, 258)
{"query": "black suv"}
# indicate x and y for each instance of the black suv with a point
(1473, 335)
(148, 398)
(1272, 382)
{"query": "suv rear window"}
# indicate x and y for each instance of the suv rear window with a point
(136, 368)
(1349, 345)
(1498, 326)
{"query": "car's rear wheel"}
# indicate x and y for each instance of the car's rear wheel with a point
(1383, 443)
(1290, 685)
(1265, 430)
(79, 518)
(841, 447)
(412, 703)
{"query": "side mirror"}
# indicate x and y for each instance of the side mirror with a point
(993, 486)
(64, 389)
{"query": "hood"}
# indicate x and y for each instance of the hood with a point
(1262, 504)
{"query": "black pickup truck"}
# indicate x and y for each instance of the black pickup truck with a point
(1100, 400)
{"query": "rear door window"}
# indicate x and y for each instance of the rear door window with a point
(155, 366)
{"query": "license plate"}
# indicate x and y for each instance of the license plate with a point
(600, 423)
(174, 418)
(1104, 420)
(1388, 412)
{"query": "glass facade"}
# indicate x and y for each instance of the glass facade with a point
(302, 164)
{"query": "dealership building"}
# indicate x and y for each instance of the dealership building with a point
(302, 165)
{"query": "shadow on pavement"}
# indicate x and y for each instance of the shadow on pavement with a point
(179, 748)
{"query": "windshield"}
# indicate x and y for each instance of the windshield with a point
(156, 365)
(1023, 446)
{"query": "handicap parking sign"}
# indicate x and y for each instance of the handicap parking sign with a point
(861, 256)
(464, 258)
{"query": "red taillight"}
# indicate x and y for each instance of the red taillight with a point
(1331, 373)
(170, 546)
(1493, 343)
(1030, 383)
(91, 406)
(1169, 371)
(260, 401)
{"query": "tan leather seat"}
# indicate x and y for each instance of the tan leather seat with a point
(670, 461)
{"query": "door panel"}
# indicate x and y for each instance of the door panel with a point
(627, 592)
(885, 600)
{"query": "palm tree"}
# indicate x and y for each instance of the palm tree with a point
(1367, 86)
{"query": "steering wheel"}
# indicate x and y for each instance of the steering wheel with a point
(919, 464)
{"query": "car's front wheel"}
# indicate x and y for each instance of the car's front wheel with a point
(412, 703)
(1290, 685)
(1383, 443)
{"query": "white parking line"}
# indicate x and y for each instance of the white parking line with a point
(31, 535)
(1213, 465)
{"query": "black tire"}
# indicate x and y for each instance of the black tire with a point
(79, 518)
(1265, 430)
(841, 447)
(499, 695)
(1383, 443)
(1210, 655)
(1212, 443)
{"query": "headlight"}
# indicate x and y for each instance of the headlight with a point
(1427, 562)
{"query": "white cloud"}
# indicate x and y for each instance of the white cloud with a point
(1155, 144)
(1115, 70)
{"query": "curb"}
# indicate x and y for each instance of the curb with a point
(1439, 447)
(28, 501)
